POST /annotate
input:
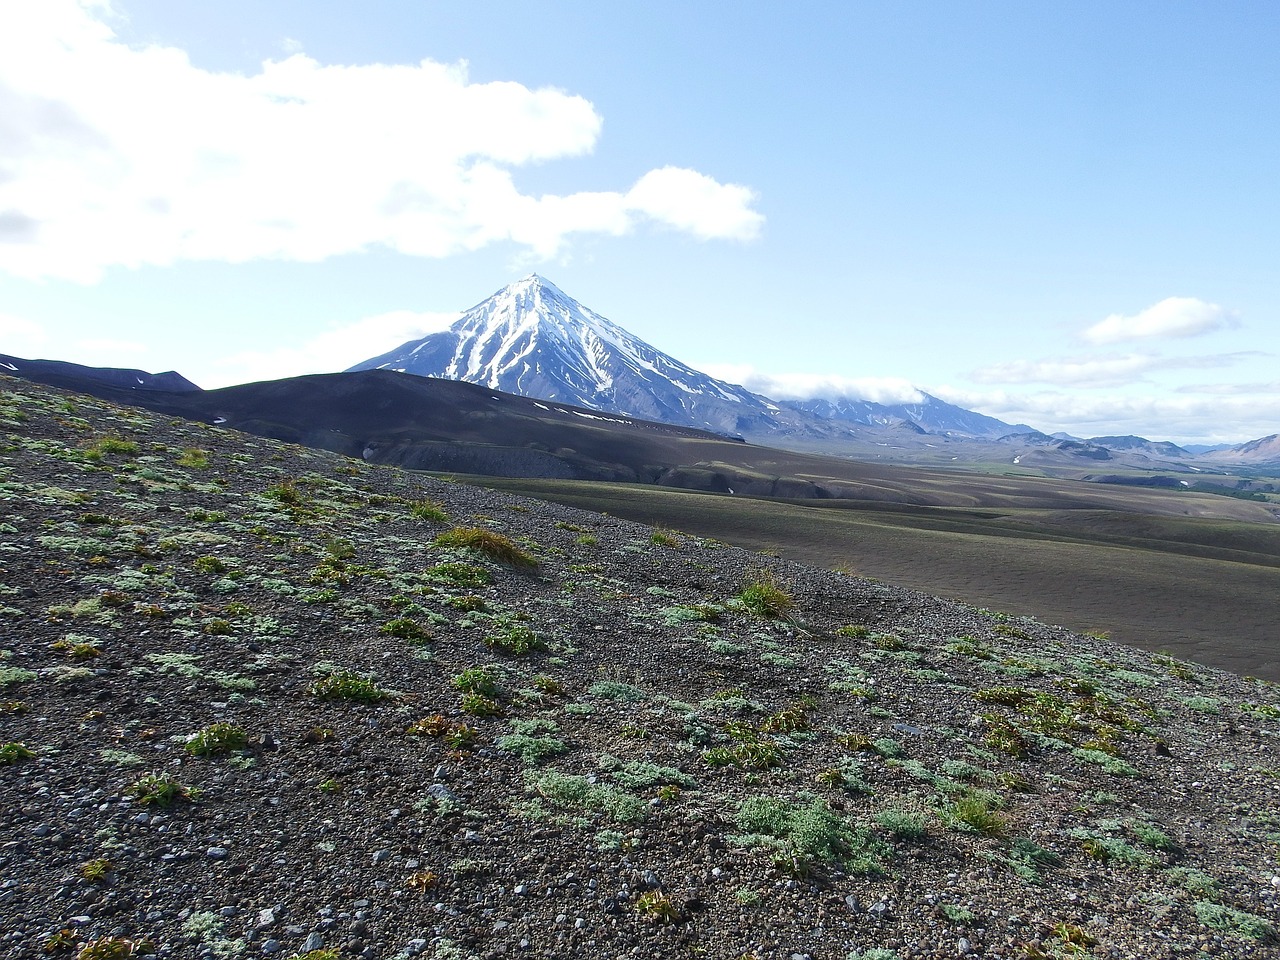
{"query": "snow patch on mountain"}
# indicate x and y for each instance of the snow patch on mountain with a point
(531, 338)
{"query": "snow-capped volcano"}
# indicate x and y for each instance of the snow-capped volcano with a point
(531, 338)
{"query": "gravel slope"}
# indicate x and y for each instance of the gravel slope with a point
(395, 744)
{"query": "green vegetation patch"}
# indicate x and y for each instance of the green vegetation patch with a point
(490, 543)
(764, 597)
(579, 793)
(217, 738)
(160, 790)
(347, 685)
(1250, 926)
(806, 833)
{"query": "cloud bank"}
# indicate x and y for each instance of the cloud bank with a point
(1171, 317)
(1183, 418)
(1106, 370)
(115, 156)
(807, 386)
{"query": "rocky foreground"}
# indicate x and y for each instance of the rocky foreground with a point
(257, 700)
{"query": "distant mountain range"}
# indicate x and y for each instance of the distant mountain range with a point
(581, 377)
(74, 376)
(533, 339)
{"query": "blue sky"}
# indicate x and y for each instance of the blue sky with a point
(1064, 214)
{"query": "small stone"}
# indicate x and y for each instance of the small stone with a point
(216, 853)
(270, 946)
(521, 889)
(266, 918)
(964, 947)
(852, 902)
(313, 942)
(441, 792)
(381, 856)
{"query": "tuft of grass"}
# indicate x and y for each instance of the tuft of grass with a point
(515, 639)
(195, 458)
(478, 705)
(347, 685)
(287, 493)
(854, 631)
(658, 907)
(490, 543)
(111, 445)
(215, 739)
(976, 811)
(662, 537)
(764, 597)
(480, 680)
(431, 510)
(12, 752)
(465, 575)
(160, 790)
(406, 628)
(96, 870)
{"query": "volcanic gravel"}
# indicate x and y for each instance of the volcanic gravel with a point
(610, 750)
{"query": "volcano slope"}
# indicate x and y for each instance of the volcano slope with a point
(261, 700)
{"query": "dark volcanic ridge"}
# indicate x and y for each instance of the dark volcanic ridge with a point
(267, 701)
(450, 426)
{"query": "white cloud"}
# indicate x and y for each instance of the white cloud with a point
(114, 156)
(1161, 416)
(1231, 389)
(335, 349)
(20, 337)
(1171, 317)
(807, 386)
(688, 200)
(1105, 370)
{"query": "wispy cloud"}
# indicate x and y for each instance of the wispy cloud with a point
(1173, 317)
(1108, 370)
(333, 350)
(1231, 389)
(1161, 416)
(114, 155)
(806, 386)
